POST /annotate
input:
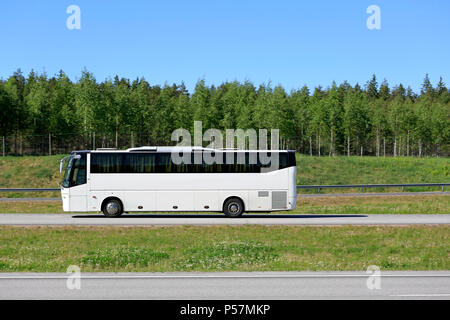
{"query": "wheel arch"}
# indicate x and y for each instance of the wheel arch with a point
(233, 197)
(111, 198)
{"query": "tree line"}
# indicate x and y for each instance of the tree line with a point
(373, 119)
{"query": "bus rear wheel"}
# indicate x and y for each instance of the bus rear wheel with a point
(112, 208)
(233, 207)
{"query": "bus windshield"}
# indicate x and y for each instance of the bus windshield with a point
(75, 173)
(65, 182)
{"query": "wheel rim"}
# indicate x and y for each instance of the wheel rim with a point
(233, 208)
(112, 208)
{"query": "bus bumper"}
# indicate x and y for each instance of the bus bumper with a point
(292, 203)
(65, 199)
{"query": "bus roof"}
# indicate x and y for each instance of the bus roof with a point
(172, 149)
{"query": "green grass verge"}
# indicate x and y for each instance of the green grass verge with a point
(43, 172)
(371, 170)
(30, 172)
(224, 248)
(428, 204)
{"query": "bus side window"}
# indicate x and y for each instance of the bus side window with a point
(81, 176)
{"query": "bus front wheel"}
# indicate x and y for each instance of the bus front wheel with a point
(112, 208)
(233, 207)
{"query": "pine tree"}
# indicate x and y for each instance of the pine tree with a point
(372, 88)
(427, 88)
(7, 112)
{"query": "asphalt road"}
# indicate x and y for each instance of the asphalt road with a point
(233, 285)
(220, 219)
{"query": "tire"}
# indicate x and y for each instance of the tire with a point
(233, 208)
(112, 208)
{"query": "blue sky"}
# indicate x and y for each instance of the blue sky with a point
(291, 43)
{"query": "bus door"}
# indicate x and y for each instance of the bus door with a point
(78, 188)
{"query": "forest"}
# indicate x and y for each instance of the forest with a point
(43, 115)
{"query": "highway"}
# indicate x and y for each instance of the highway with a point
(219, 219)
(232, 285)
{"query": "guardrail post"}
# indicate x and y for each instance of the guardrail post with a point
(442, 188)
(318, 190)
(403, 188)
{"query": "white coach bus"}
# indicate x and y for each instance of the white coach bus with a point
(146, 179)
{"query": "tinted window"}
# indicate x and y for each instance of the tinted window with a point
(241, 162)
(138, 163)
(106, 163)
(78, 171)
(291, 159)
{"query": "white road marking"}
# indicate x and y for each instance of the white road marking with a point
(422, 295)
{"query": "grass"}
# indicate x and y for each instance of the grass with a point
(43, 172)
(224, 248)
(30, 171)
(16, 195)
(31, 207)
(371, 170)
(429, 204)
(426, 204)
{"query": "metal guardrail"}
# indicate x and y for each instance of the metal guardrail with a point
(318, 187)
(363, 186)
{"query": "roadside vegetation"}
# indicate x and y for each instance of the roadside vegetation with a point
(30, 172)
(44, 114)
(371, 170)
(224, 248)
(428, 204)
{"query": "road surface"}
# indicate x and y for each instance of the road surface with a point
(220, 219)
(232, 285)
